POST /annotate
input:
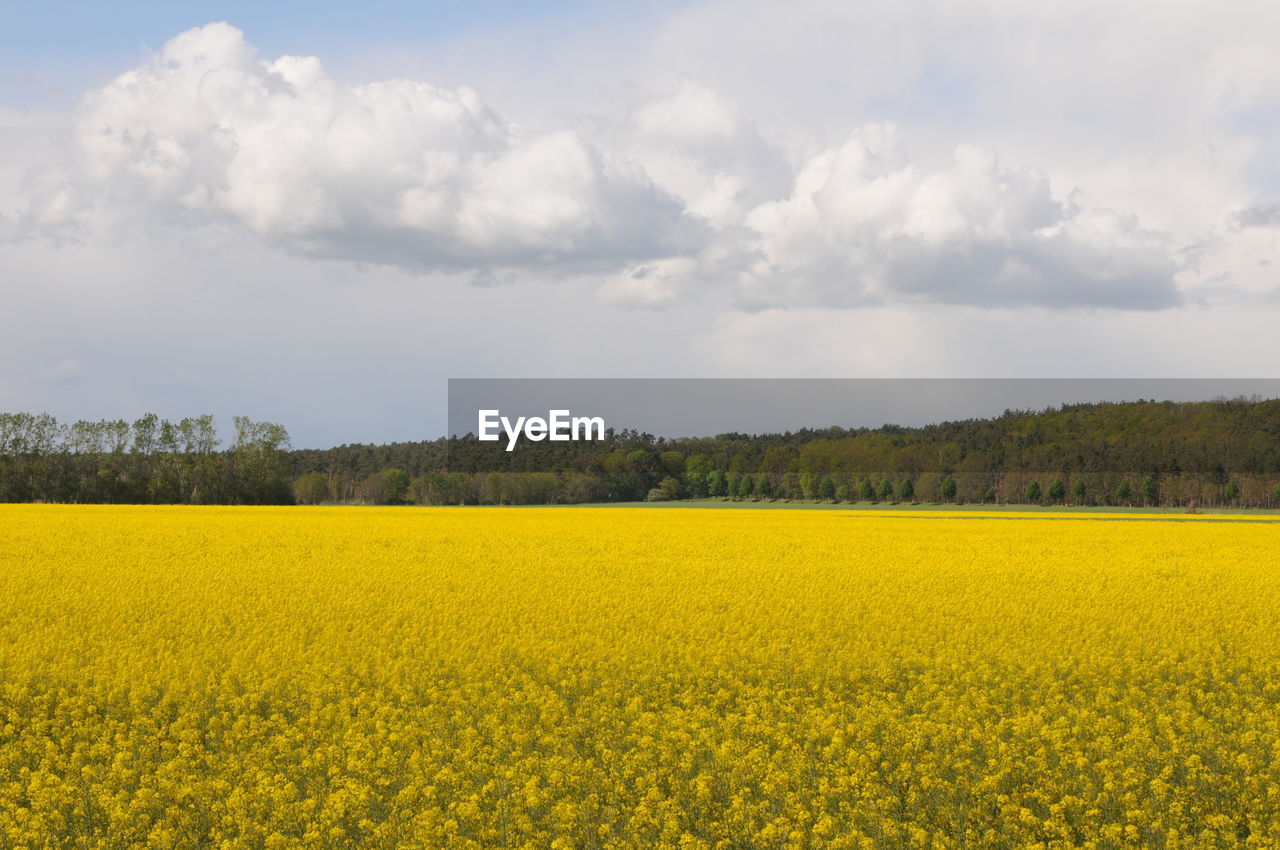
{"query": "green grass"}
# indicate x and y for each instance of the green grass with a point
(906, 506)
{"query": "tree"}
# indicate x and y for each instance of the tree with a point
(745, 487)
(807, 485)
(397, 485)
(827, 489)
(789, 487)
(459, 489)
(199, 442)
(672, 463)
(1150, 490)
(906, 490)
(1232, 492)
(948, 488)
(696, 471)
(866, 490)
(1031, 493)
(258, 474)
(764, 487)
(668, 488)
(158, 461)
(390, 486)
(311, 488)
(495, 490)
(580, 487)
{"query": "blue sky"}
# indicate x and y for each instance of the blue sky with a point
(55, 50)
(318, 213)
(61, 31)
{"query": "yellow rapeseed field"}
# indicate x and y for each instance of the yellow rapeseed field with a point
(575, 677)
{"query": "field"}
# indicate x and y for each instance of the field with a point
(339, 677)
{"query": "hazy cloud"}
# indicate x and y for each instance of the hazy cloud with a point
(68, 371)
(1258, 215)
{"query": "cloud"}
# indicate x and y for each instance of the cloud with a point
(651, 286)
(682, 194)
(864, 225)
(68, 371)
(1257, 215)
(398, 172)
(699, 146)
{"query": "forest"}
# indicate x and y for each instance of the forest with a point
(149, 461)
(1158, 453)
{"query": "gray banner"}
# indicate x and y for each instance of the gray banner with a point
(694, 407)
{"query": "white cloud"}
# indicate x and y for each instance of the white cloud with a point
(698, 146)
(1164, 111)
(398, 172)
(865, 224)
(683, 193)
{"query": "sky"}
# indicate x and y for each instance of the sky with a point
(316, 215)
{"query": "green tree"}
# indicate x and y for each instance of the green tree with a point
(886, 490)
(717, 484)
(311, 488)
(672, 463)
(494, 491)
(258, 473)
(808, 487)
(1232, 492)
(1057, 490)
(390, 486)
(764, 487)
(1079, 492)
(789, 487)
(948, 488)
(667, 490)
(1150, 490)
(827, 489)
(745, 486)
(580, 487)
(1124, 492)
(696, 471)
(427, 489)
(1031, 493)
(397, 485)
(866, 490)
(906, 490)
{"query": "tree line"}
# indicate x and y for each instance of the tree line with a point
(148, 461)
(1218, 453)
